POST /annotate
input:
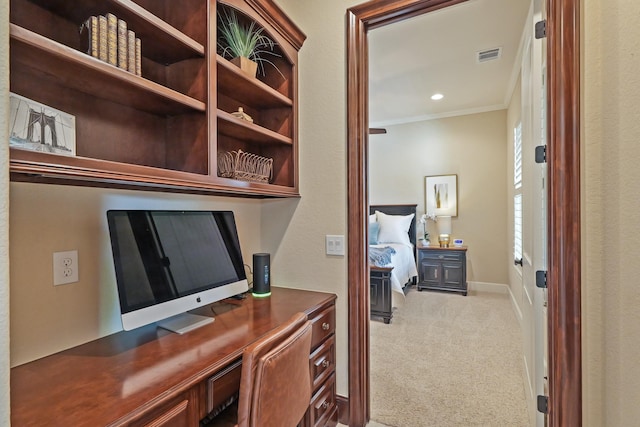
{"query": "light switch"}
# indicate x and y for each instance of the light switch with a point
(335, 244)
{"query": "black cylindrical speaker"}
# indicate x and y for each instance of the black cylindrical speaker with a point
(261, 275)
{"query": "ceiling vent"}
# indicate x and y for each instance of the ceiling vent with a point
(489, 54)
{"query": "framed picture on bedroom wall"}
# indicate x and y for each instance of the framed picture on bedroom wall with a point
(441, 195)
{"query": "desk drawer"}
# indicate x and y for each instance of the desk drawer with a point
(322, 362)
(177, 412)
(324, 324)
(323, 407)
(222, 387)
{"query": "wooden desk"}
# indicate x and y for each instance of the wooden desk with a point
(151, 375)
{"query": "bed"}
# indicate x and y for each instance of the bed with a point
(391, 271)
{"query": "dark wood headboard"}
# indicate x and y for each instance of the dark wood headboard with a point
(400, 210)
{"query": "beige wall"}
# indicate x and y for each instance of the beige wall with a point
(300, 260)
(611, 212)
(474, 147)
(4, 215)
(50, 218)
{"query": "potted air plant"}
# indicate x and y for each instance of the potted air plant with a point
(244, 43)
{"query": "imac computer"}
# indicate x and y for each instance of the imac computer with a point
(170, 262)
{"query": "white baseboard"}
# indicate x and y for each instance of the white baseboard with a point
(516, 309)
(497, 288)
(530, 395)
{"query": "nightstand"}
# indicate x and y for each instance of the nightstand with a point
(380, 292)
(442, 269)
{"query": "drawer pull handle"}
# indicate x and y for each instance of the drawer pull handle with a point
(325, 404)
(325, 326)
(325, 363)
(441, 257)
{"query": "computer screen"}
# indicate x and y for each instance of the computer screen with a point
(169, 262)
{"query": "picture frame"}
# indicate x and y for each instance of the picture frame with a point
(441, 195)
(38, 127)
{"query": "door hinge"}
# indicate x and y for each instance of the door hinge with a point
(543, 404)
(541, 279)
(541, 29)
(541, 154)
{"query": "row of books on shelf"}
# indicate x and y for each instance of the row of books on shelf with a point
(107, 38)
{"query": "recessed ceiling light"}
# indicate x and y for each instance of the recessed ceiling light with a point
(437, 96)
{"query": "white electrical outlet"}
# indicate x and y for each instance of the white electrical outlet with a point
(65, 267)
(334, 245)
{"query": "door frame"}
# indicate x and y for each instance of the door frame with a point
(563, 233)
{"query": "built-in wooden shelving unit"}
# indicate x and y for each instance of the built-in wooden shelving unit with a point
(163, 129)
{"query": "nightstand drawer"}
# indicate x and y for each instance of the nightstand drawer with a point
(442, 255)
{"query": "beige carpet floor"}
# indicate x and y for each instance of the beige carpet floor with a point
(448, 360)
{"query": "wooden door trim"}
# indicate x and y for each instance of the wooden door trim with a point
(563, 62)
(564, 263)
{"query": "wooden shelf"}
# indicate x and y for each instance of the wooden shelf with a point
(28, 166)
(236, 84)
(159, 131)
(161, 42)
(81, 72)
(247, 131)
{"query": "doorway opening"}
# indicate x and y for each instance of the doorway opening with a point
(563, 234)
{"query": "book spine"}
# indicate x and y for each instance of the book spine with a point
(122, 44)
(89, 36)
(138, 57)
(94, 36)
(131, 54)
(112, 39)
(102, 38)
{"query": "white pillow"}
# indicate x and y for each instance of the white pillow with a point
(394, 228)
(372, 218)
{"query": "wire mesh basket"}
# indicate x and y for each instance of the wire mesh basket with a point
(244, 166)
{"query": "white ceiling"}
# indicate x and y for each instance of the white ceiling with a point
(436, 53)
